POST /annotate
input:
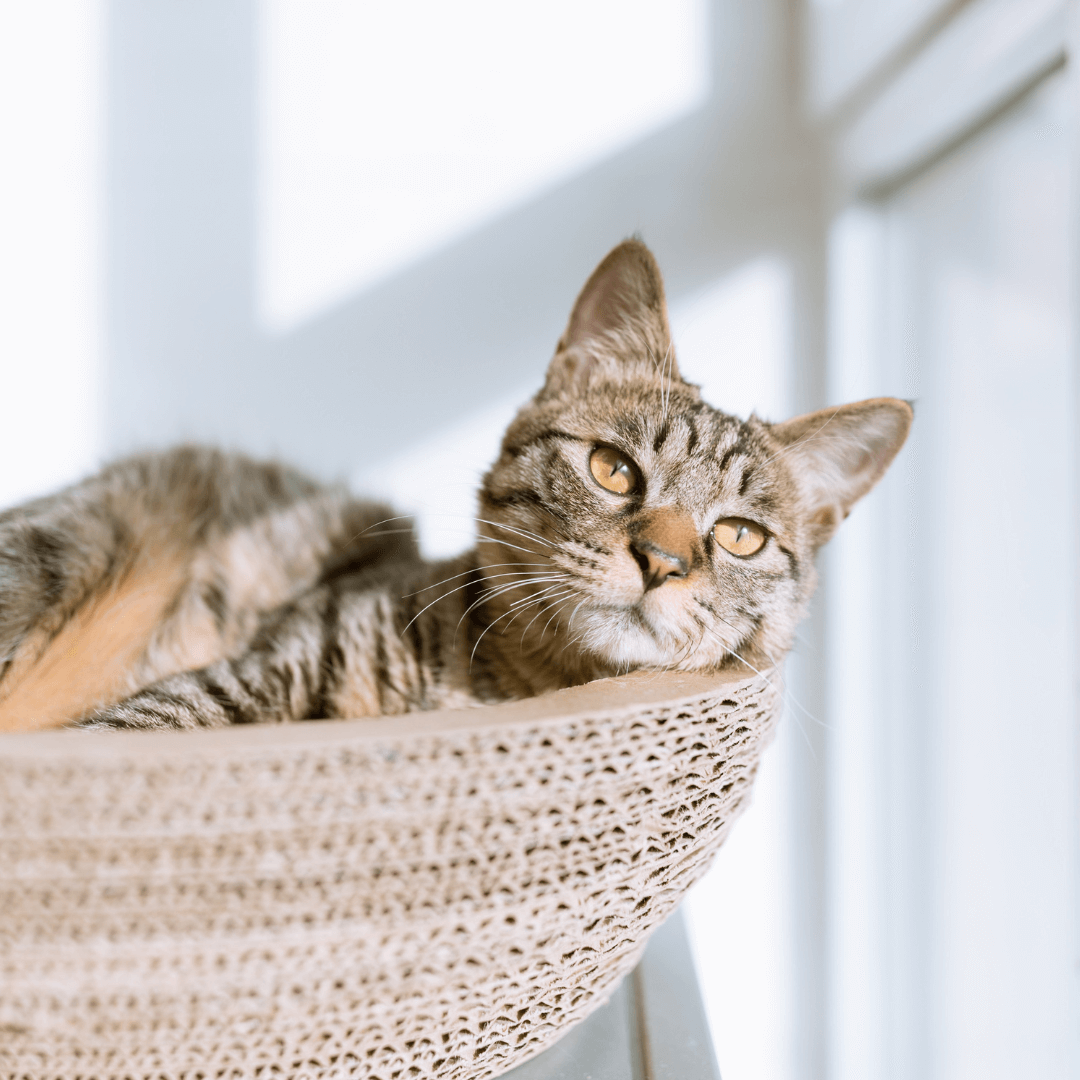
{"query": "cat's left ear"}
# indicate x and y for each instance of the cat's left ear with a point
(624, 298)
(839, 454)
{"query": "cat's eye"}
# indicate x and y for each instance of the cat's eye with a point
(613, 471)
(739, 536)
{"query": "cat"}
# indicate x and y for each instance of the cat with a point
(625, 524)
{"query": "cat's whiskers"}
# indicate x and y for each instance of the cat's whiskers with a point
(528, 601)
(542, 595)
(559, 607)
(376, 524)
(551, 602)
(543, 598)
(499, 590)
(516, 530)
(557, 616)
(506, 544)
(431, 605)
(525, 534)
(692, 643)
(387, 532)
(786, 692)
(450, 592)
(555, 600)
(781, 691)
(570, 629)
(532, 579)
(669, 370)
(664, 367)
(466, 573)
(561, 579)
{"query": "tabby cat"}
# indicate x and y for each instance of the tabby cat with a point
(626, 524)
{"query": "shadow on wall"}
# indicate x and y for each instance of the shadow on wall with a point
(185, 357)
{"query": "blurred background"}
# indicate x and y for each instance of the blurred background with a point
(349, 233)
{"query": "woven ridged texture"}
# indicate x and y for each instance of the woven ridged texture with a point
(434, 895)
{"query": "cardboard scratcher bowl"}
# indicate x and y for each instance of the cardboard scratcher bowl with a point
(439, 894)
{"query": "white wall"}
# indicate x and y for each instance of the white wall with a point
(952, 621)
(51, 101)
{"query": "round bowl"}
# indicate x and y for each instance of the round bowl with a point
(431, 895)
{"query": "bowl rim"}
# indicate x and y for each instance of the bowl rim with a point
(617, 695)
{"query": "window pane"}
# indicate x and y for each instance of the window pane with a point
(975, 540)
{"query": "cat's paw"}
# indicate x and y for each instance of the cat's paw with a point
(129, 715)
(110, 719)
(179, 702)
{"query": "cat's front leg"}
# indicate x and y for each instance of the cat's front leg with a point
(288, 673)
(254, 689)
(174, 703)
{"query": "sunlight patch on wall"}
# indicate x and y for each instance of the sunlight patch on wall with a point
(388, 130)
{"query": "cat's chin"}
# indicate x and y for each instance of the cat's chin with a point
(625, 638)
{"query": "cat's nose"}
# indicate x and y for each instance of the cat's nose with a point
(663, 545)
(656, 564)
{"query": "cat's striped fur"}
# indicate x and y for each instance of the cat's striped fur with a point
(194, 588)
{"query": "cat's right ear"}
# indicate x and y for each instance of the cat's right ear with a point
(624, 298)
(838, 454)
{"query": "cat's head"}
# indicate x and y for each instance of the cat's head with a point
(638, 526)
